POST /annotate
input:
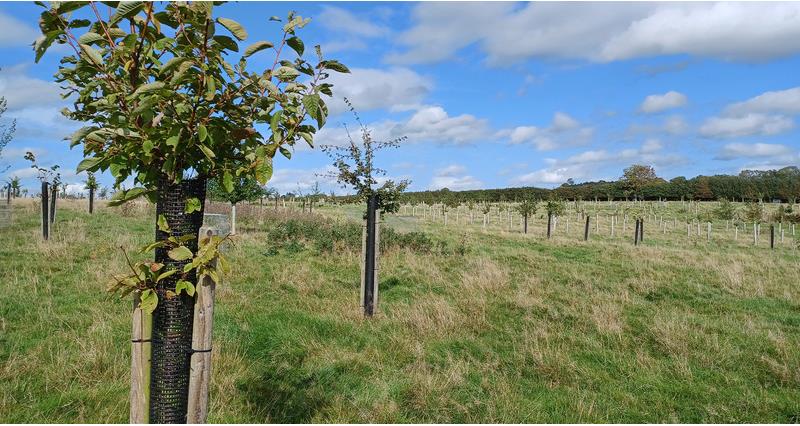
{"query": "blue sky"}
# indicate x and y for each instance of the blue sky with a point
(504, 94)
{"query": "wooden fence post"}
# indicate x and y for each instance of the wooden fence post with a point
(772, 236)
(45, 211)
(586, 229)
(140, 364)
(200, 377)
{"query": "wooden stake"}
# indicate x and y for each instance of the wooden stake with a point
(140, 364)
(200, 378)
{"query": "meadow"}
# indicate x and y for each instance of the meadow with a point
(474, 324)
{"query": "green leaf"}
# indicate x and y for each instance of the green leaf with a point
(121, 197)
(227, 181)
(92, 54)
(234, 27)
(286, 73)
(173, 141)
(211, 88)
(311, 102)
(162, 224)
(166, 274)
(126, 9)
(172, 63)
(148, 88)
(81, 133)
(202, 133)
(183, 285)
(296, 44)
(180, 253)
(192, 205)
(286, 153)
(334, 66)
(90, 38)
(227, 42)
(256, 47)
(207, 151)
(148, 301)
(264, 170)
(88, 163)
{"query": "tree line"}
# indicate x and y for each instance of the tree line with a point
(638, 182)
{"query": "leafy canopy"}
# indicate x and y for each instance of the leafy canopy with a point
(166, 91)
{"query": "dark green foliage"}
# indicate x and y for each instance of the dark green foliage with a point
(326, 235)
(243, 188)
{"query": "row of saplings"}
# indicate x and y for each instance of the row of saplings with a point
(169, 100)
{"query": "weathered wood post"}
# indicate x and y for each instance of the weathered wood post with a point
(586, 229)
(91, 200)
(636, 234)
(369, 292)
(53, 195)
(641, 230)
(549, 224)
(202, 328)
(141, 332)
(45, 211)
(772, 236)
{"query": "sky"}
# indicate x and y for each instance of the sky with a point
(492, 95)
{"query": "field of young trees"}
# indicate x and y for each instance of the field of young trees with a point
(191, 292)
(474, 323)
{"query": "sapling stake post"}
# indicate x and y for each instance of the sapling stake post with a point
(369, 261)
(53, 196)
(772, 236)
(636, 234)
(45, 211)
(586, 230)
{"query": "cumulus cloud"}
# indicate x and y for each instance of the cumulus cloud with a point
(658, 103)
(343, 21)
(22, 91)
(745, 125)
(779, 101)
(394, 89)
(455, 178)
(563, 131)
(15, 32)
(588, 164)
(601, 32)
(426, 124)
(757, 150)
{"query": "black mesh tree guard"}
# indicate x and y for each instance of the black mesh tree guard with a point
(172, 318)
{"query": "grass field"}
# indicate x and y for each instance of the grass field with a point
(474, 325)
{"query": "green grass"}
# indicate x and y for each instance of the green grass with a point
(513, 328)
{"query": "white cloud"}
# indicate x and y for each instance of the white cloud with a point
(22, 91)
(394, 89)
(601, 32)
(15, 32)
(588, 164)
(343, 21)
(757, 150)
(779, 101)
(564, 131)
(675, 125)
(455, 178)
(746, 125)
(658, 103)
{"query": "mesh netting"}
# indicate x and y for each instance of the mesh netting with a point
(172, 319)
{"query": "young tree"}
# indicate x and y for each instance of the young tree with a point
(91, 185)
(356, 169)
(636, 177)
(16, 186)
(554, 207)
(245, 188)
(164, 106)
(526, 208)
